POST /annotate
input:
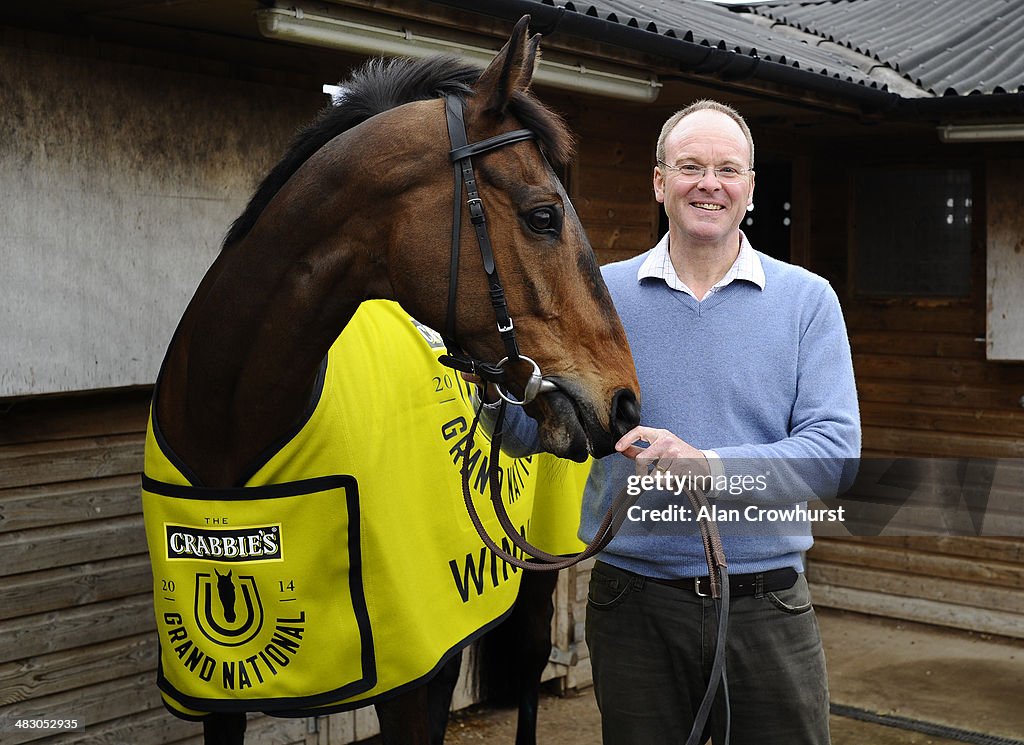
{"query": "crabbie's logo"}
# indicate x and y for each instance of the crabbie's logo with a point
(259, 543)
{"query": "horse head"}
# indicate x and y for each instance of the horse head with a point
(563, 316)
(226, 591)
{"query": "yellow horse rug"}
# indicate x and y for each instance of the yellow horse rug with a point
(345, 569)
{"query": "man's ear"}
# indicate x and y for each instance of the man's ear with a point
(659, 185)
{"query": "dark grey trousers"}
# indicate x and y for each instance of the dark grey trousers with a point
(651, 647)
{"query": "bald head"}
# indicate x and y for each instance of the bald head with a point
(705, 105)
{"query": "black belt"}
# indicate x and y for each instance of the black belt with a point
(739, 584)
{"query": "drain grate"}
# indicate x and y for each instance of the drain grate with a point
(926, 728)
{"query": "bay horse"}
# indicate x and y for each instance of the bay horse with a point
(361, 207)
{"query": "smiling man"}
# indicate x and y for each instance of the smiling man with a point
(746, 378)
(704, 204)
(741, 358)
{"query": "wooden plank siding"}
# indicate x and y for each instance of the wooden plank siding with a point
(77, 634)
(610, 181)
(76, 622)
(926, 389)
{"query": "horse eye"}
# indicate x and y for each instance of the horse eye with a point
(543, 220)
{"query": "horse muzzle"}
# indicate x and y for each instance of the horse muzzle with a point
(570, 426)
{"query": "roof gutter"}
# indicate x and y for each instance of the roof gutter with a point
(975, 103)
(691, 57)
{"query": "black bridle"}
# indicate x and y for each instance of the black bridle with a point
(461, 157)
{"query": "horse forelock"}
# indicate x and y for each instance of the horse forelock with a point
(554, 137)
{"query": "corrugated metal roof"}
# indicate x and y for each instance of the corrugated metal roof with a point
(948, 47)
(939, 47)
(704, 23)
(711, 25)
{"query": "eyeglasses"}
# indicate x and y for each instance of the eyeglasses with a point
(694, 172)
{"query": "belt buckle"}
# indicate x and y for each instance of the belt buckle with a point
(696, 588)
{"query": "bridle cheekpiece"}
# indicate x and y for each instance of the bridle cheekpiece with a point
(461, 158)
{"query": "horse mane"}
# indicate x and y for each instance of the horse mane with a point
(383, 84)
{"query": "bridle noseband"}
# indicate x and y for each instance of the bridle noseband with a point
(461, 157)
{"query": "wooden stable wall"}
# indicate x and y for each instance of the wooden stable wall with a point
(77, 637)
(926, 389)
(610, 184)
(76, 627)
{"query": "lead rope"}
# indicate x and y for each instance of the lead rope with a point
(714, 554)
(718, 575)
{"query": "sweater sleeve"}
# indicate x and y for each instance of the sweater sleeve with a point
(818, 458)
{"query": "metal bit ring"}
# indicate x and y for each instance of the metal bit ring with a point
(534, 385)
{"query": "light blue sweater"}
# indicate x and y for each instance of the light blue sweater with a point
(762, 377)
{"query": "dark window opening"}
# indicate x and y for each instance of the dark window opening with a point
(769, 225)
(912, 232)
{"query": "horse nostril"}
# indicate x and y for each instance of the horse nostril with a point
(625, 412)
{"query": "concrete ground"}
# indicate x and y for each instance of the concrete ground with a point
(912, 674)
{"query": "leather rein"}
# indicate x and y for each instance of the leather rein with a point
(465, 177)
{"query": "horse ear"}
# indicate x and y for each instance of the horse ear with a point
(510, 71)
